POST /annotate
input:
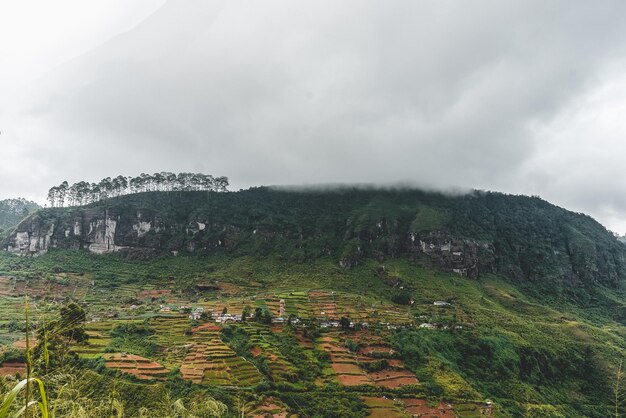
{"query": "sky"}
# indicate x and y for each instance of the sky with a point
(524, 97)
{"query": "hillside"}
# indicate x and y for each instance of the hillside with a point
(12, 211)
(345, 302)
(523, 238)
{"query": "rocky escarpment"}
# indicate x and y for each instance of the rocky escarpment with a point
(94, 229)
(103, 231)
(524, 238)
(448, 253)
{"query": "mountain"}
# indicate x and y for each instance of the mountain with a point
(523, 238)
(341, 301)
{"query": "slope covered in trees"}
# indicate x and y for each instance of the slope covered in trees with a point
(12, 211)
(523, 238)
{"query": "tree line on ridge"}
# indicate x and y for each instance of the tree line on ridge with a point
(82, 192)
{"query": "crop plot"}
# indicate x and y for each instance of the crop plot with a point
(210, 361)
(355, 368)
(263, 342)
(383, 408)
(269, 407)
(96, 343)
(13, 368)
(140, 367)
(344, 363)
(7, 286)
(421, 408)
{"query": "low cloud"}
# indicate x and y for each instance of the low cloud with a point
(492, 95)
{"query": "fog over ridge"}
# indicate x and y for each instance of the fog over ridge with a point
(517, 97)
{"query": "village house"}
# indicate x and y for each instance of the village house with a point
(223, 318)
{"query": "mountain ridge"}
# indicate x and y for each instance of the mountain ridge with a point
(523, 238)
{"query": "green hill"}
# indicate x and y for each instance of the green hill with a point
(529, 310)
(523, 238)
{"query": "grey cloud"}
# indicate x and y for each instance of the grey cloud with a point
(440, 93)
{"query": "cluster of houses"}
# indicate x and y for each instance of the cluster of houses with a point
(222, 317)
(197, 313)
(430, 325)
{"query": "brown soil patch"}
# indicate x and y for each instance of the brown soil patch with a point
(21, 344)
(228, 288)
(255, 351)
(319, 294)
(13, 368)
(345, 368)
(6, 286)
(39, 288)
(270, 410)
(138, 366)
(420, 408)
(206, 327)
(304, 341)
(376, 349)
(352, 380)
(393, 378)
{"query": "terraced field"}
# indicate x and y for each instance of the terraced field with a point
(13, 368)
(140, 367)
(269, 407)
(350, 368)
(211, 362)
(262, 339)
(379, 407)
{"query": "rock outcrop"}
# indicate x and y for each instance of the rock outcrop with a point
(445, 252)
(99, 231)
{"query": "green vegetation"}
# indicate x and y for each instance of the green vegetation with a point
(132, 338)
(12, 211)
(321, 304)
(83, 192)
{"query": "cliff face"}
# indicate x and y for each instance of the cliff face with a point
(522, 238)
(104, 231)
(97, 230)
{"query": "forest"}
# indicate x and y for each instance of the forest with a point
(83, 192)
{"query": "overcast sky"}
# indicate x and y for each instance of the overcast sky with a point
(520, 97)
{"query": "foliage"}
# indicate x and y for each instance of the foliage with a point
(12, 211)
(83, 192)
(132, 338)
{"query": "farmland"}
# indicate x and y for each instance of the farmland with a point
(276, 339)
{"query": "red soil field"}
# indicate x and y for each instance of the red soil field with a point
(138, 366)
(255, 351)
(393, 378)
(380, 349)
(345, 368)
(21, 344)
(420, 408)
(13, 368)
(206, 327)
(351, 380)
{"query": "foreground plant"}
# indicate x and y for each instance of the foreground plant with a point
(10, 397)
